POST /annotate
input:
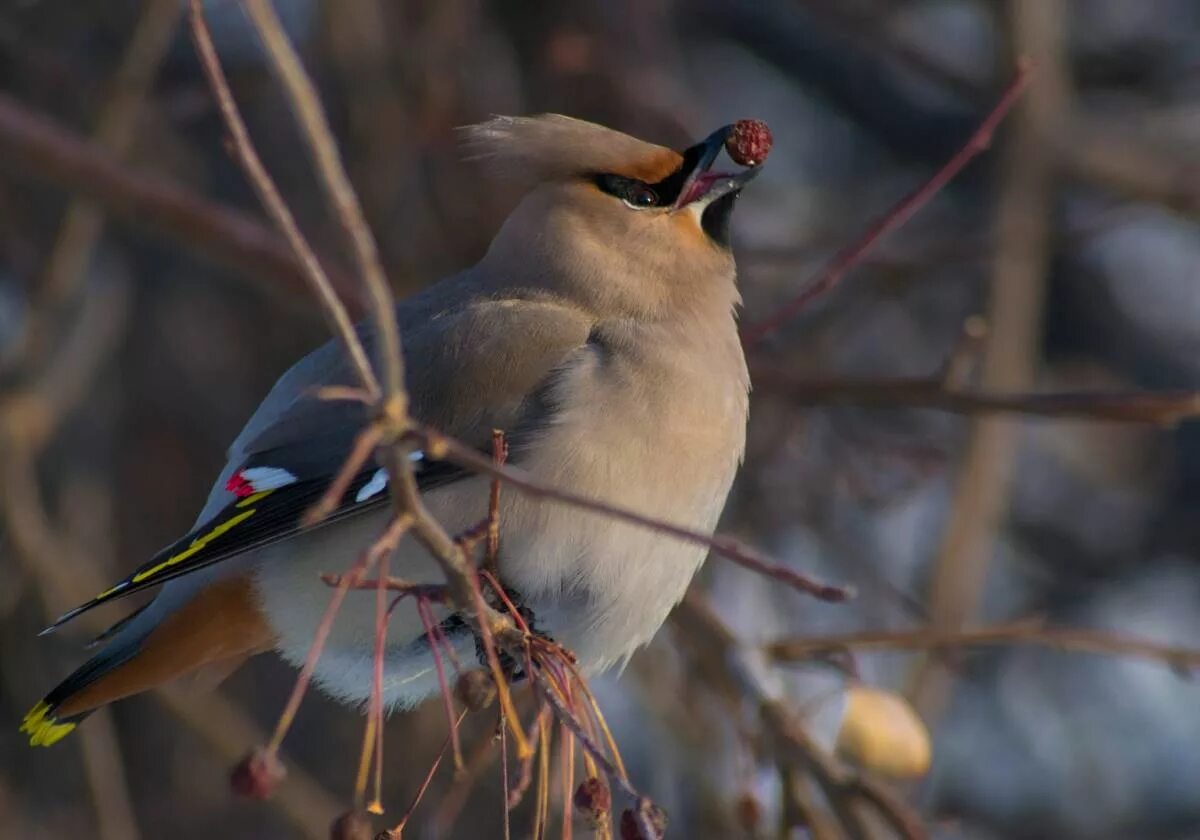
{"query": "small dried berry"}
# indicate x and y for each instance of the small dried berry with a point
(257, 775)
(475, 690)
(631, 828)
(594, 801)
(352, 825)
(749, 142)
(749, 812)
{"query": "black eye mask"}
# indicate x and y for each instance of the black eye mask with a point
(659, 194)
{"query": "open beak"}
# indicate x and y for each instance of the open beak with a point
(702, 184)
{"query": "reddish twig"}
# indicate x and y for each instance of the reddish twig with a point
(504, 785)
(525, 779)
(397, 832)
(439, 446)
(499, 456)
(374, 728)
(366, 560)
(1076, 639)
(1163, 408)
(850, 256)
(424, 611)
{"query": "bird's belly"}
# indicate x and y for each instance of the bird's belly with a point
(599, 586)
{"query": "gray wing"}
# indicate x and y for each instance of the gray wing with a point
(483, 364)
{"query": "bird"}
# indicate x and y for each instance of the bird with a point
(598, 331)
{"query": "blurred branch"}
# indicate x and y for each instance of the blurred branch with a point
(1095, 153)
(1164, 408)
(306, 804)
(729, 664)
(979, 141)
(55, 564)
(337, 317)
(389, 407)
(1080, 640)
(33, 146)
(43, 554)
(32, 411)
(303, 99)
(1010, 349)
(115, 130)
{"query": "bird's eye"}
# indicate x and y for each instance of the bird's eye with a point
(641, 196)
(635, 194)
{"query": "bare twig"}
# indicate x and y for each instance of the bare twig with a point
(33, 146)
(1164, 408)
(1075, 639)
(849, 794)
(848, 257)
(391, 405)
(306, 106)
(331, 305)
(1010, 350)
(83, 221)
(398, 830)
(439, 446)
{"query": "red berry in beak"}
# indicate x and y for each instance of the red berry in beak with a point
(749, 142)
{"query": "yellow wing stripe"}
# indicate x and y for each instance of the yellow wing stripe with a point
(201, 541)
(197, 545)
(257, 497)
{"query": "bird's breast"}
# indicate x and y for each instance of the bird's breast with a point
(662, 436)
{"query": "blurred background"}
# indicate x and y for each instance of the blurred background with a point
(144, 310)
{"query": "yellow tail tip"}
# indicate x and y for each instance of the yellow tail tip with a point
(43, 729)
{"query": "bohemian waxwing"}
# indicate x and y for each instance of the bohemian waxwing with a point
(598, 332)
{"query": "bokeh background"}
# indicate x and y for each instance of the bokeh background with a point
(134, 342)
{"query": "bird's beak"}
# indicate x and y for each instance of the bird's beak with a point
(701, 183)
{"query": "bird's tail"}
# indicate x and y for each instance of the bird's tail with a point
(211, 633)
(59, 712)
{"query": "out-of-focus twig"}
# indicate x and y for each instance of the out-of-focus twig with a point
(1164, 408)
(83, 220)
(306, 105)
(1074, 639)
(54, 387)
(32, 145)
(307, 805)
(853, 797)
(1014, 318)
(895, 217)
(331, 305)
(1132, 166)
(389, 407)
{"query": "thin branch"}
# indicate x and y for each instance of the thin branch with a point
(317, 135)
(732, 664)
(83, 221)
(1074, 639)
(391, 407)
(273, 203)
(1163, 408)
(1016, 302)
(32, 146)
(439, 446)
(850, 256)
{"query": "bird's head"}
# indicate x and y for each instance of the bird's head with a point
(624, 226)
